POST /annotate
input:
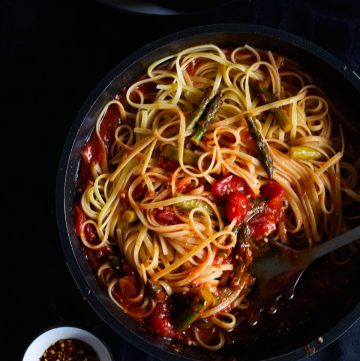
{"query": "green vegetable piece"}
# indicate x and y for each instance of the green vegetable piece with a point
(261, 145)
(305, 153)
(201, 302)
(204, 101)
(171, 152)
(195, 203)
(281, 118)
(209, 115)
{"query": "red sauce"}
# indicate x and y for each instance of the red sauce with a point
(192, 66)
(140, 191)
(185, 186)
(97, 257)
(129, 286)
(168, 164)
(96, 151)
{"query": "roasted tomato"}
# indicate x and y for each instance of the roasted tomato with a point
(236, 207)
(166, 215)
(160, 320)
(266, 222)
(272, 190)
(230, 184)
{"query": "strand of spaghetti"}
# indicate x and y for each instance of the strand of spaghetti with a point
(216, 320)
(276, 104)
(273, 74)
(117, 186)
(332, 161)
(194, 274)
(142, 145)
(186, 257)
(351, 193)
(181, 139)
(98, 124)
(175, 200)
(148, 157)
(211, 347)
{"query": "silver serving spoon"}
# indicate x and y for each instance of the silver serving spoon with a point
(278, 271)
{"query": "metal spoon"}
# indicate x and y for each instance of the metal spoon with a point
(278, 271)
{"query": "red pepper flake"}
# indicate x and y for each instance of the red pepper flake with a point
(70, 349)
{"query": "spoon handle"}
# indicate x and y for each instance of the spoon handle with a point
(335, 243)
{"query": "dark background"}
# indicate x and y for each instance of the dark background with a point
(53, 54)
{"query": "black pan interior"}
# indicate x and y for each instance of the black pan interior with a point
(342, 88)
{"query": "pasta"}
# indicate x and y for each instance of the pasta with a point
(191, 172)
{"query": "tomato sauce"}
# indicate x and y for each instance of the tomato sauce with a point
(96, 150)
(167, 164)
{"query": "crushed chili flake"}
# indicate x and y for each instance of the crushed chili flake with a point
(70, 350)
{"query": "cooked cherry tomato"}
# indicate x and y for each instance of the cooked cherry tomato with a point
(272, 190)
(261, 226)
(236, 207)
(166, 215)
(160, 320)
(266, 222)
(230, 184)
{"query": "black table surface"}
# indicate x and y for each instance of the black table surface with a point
(55, 53)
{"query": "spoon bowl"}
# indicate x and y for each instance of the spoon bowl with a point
(278, 271)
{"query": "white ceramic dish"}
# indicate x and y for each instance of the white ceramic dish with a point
(47, 338)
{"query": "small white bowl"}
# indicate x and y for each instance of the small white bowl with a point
(37, 347)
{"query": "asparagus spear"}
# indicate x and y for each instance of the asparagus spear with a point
(202, 301)
(195, 203)
(305, 153)
(262, 146)
(209, 115)
(204, 101)
(267, 97)
(171, 152)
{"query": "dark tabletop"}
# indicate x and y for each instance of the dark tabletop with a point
(55, 52)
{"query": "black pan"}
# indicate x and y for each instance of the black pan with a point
(342, 86)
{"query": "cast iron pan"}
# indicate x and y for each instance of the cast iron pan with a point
(342, 86)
